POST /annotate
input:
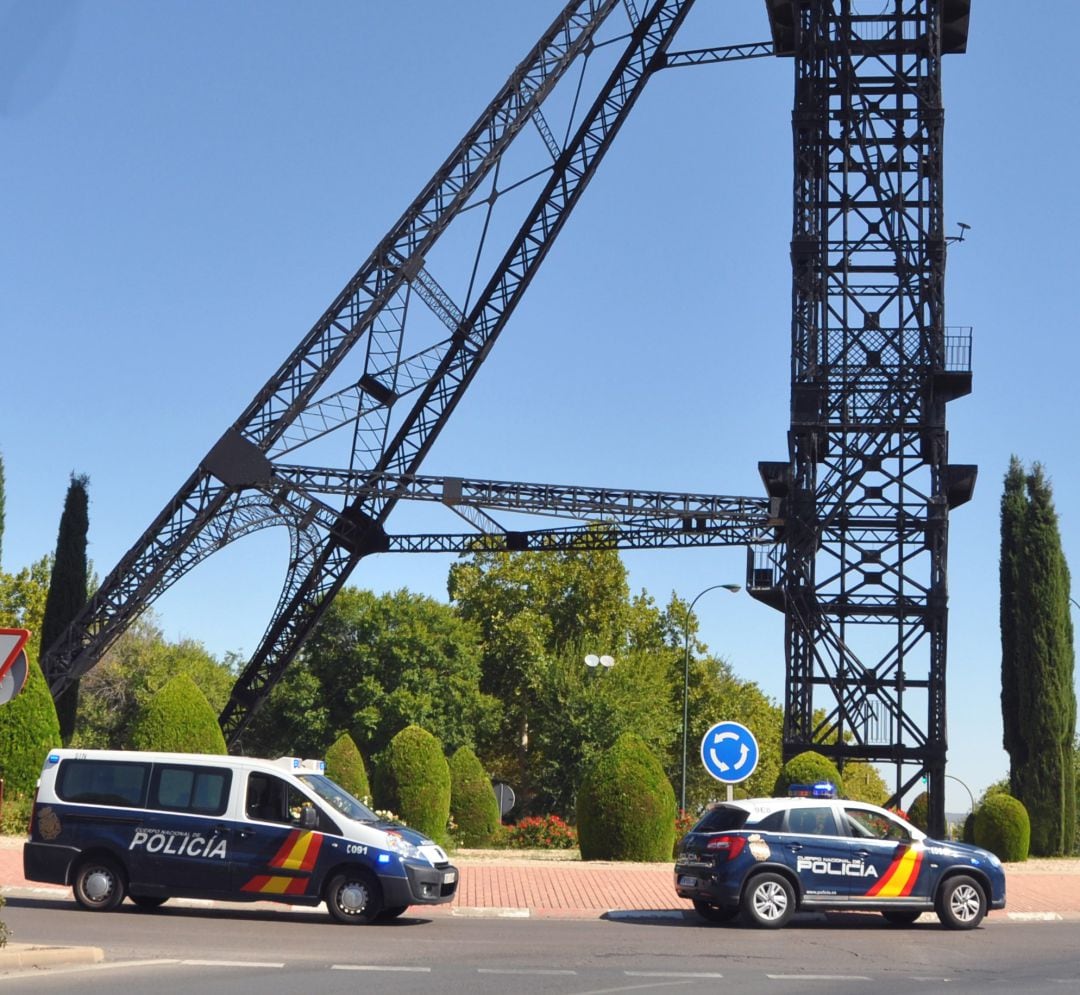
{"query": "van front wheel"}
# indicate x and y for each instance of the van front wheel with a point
(98, 884)
(353, 897)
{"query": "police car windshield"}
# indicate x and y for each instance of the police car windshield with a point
(339, 798)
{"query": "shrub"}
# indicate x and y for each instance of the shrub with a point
(345, 765)
(919, 811)
(28, 730)
(412, 778)
(541, 832)
(16, 814)
(807, 768)
(473, 805)
(626, 806)
(1002, 826)
(178, 719)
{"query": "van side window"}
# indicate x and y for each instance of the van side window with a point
(200, 790)
(103, 782)
(270, 799)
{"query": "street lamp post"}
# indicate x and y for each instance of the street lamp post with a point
(733, 588)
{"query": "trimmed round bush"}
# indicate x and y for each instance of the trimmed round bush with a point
(807, 768)
(918, 813)
(473, 805)
(178, 719)
(28, 730)
(345, 765)
(626, 805)
(1002, 826)
(413, 781)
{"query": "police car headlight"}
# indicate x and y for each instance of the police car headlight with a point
(402, 847)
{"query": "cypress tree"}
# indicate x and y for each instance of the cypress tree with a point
(1038, 697)
(67, 588)
(1013, 519)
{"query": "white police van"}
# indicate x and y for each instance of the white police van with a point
(156, 825)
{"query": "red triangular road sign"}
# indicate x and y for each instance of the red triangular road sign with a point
(12, 642)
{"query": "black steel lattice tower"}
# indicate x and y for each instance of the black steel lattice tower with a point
(858, 511)
(867, 487)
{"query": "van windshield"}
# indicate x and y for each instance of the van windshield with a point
(339, 798)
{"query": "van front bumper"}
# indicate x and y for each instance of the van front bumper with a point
(422, 885)
(47, 862)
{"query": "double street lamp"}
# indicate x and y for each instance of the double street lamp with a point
(733, 588)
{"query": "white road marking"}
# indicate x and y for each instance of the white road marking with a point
(671, 974)
(379, 967)
(232, 963)
(817, 977)
(520, 970)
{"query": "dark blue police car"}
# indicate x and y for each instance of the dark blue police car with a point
(766, 858)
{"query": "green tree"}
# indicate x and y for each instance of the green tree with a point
(807, 767)
(1038, 696)
(28, 730)
(412, 779)
(375, 664)
(133, 671)
(473, 806)
(578, 712)
(22, 600)
(864, 783)
(626, 806)
(528, 606)
(345, 765)
(68, 588)
(178, 719)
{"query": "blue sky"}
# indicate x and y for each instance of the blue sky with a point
(188, 185)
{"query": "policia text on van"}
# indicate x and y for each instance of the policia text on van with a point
(156, 825)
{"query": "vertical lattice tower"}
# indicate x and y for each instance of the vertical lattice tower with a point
(861, 567)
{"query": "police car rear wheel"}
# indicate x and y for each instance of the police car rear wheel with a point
(714, 913)
(353, 898)
(98, 885)
(961, 903)
(768, 901)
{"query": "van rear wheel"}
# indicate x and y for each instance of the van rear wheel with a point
(353, 897)
(98, 884)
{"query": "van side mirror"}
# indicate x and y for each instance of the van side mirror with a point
(309, 818)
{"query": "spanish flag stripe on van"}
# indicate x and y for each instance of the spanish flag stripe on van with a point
(299, 851)
(899, 879)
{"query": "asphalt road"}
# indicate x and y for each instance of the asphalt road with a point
(226, 950)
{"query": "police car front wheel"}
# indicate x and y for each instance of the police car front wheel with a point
(98, 884)
(768, 901)
(961, 903)
(353, 898)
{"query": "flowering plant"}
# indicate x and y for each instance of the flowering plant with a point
(542, 832)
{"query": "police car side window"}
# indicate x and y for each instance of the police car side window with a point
(270, 799)
(103, 782)
(817, 821)
(772, 823)
(202, 790)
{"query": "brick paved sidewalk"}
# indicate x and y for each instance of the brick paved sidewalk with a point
(512, 885)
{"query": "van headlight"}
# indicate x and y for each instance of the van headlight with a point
(401, 846)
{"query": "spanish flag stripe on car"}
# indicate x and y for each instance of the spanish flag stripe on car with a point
(298, 853)
(899, 879)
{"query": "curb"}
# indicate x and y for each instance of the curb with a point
(14, 956)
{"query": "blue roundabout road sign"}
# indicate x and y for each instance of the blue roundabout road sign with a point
(729, 752)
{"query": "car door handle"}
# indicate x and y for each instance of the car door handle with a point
(795, 846)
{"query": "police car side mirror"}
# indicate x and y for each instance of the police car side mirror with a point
(309, 818)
